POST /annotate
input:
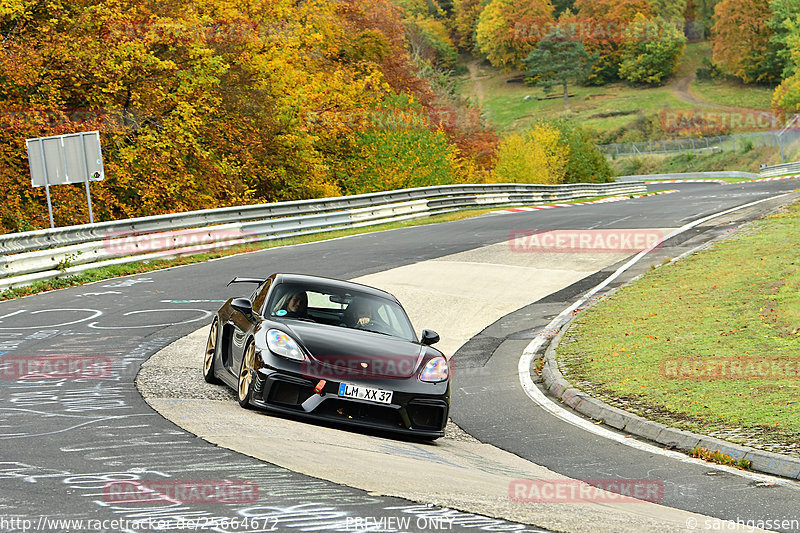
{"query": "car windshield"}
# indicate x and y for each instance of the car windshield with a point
(344, 308)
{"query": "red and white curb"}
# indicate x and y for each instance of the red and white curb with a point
(779, 178)
(723, 182)
(601, 201)
(687, 181)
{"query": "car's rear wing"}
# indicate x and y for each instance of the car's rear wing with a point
(239, 279)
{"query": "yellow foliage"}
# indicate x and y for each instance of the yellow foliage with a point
(534, 156)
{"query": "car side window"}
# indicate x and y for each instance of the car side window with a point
(260, 296)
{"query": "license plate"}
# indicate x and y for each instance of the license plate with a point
(348, 390)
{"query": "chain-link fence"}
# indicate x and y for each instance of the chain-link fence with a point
(787, 141)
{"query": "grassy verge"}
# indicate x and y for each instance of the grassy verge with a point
(114, 271)
(744, 161)
(733, 94)
(723, 92)
(710, 343)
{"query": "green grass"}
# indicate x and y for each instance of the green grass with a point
(733, 94)
(692, 59)
(739, 160)
(113, 271)
(723, 92)
(738, 301)
(506, 106)
(511, 105)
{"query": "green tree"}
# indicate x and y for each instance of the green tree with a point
(562, 5)
(651, 51)
(558, 59)
(585, 163)
(670, 10)
(705, 12)
(787, 94)
(785, 25)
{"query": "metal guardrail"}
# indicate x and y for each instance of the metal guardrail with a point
(786, 169)
(689, 175)
(46, 254)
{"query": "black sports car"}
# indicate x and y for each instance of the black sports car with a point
(331, 350)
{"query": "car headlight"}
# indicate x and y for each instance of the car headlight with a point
(282, 344)
(435, 370)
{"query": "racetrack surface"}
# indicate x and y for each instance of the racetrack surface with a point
(64, 439)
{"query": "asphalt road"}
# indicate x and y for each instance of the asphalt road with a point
(63, 440)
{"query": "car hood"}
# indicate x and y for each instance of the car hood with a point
(348, 350)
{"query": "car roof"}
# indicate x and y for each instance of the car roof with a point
(334, 284)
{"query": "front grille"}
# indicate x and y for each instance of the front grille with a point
(289, 394)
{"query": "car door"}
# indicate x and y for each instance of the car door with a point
(238, 328)
(242, 325)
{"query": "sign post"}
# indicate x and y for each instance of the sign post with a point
(65, 159)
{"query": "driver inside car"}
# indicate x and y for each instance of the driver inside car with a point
(297, 305)
(359, 313)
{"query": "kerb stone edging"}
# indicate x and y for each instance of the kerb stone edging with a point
(761, 461)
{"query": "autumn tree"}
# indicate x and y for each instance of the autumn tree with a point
(670, 10)
(429, 40)
(465, 15)
(613, 10)
(601, 24)
(209, 103)
(533, 156)
(787, 95)
(741, 45)
(508, 30)
(558, 59)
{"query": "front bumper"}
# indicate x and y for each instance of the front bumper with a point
(413, 411)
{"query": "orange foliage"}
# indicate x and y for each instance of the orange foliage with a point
(207, 103)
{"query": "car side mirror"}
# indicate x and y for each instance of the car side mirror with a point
(429, 337)
(243, 305)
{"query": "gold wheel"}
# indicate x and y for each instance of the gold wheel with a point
(246, 374)
(211, 353)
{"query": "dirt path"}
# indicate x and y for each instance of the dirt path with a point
(680, 89)
(475, 78)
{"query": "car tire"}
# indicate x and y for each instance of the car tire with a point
(210, 356)
(245, 382)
